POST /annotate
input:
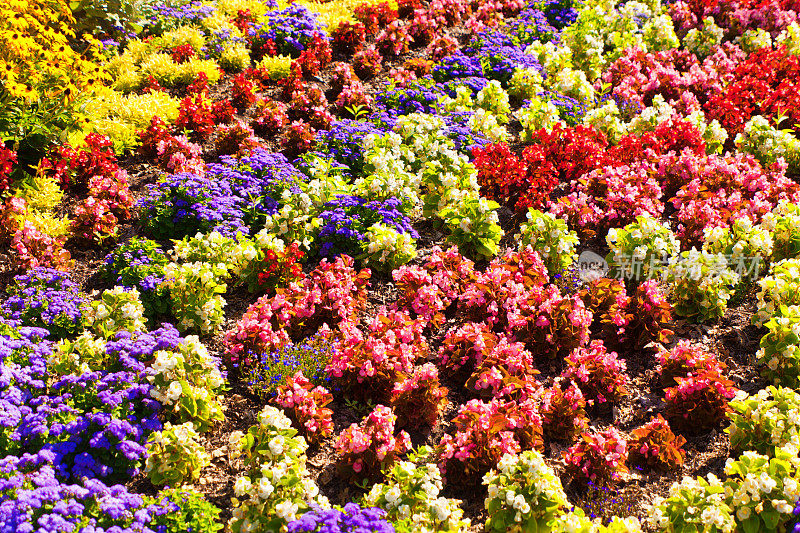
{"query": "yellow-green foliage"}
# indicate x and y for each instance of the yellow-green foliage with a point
(218, 22)
(40, 192)
(43, 222)
(330, 13)
(180, 36)
(234, 57)
(120, 116)
(229, 8)
(278, 66)
(165, 70)
(141, 60)
(188, 71)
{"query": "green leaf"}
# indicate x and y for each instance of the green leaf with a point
(751, 525)
(771, 518)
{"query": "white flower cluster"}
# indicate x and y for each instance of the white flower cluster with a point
(764, 487)
(603, 31)
(769, 144)
(693, 503)
(473, 225)
(277, 487)
(779, 350)
(766, 420)
(522, 490)
(538, 114)
(411, 495)
(606, 118)
(118, 309)
(742, 242)
(185, 378)
(387, 249)
(194, 291)
(215, 248)
(526, 83)
(293, 224)
(551, 238)
(639, 249)
(176, 455)
(790, 37)
(783, 222)
(703, 41)
(325, 182)
(490, 125)
(577, 522)
(780, 288)
(84, 354)
(754, 40)
(494, 99)
(700, 284)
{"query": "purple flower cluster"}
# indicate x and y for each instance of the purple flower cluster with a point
(418, 96)
(258, 181)
(456, 66)
(218, 40)
(184, 204)
(346, 220)
(343, 142)
(353, 519)
(500, 54)
(559, 13)
(291, 29)
(570, 110)
(139, 263)
(533, 24)
(34, 499)
(229, 198)
(165, 17)
(45, 298)
(462, 135)
(94, 424)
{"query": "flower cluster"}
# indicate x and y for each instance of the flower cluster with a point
(764, 421)
(699, 402)
(694, 503)
(599, 373)
(367, 448)
(778, 355)
(700, 284)
(655, 446)
(350, 518)
(334, 293)
(777, 290)
(277, 487)
(598, 457)
(186, 381)
(418, 399)
(550, 237)
(484, 433)
(306, 406)
(410, 497)
(46, 298)
(175, 457)
(523, 491)
(640, 249)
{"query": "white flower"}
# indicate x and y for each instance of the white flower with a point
(392, 496)
(286, 510)
(276, 445)
(241, 486)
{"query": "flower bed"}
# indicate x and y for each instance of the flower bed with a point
(259, 252)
